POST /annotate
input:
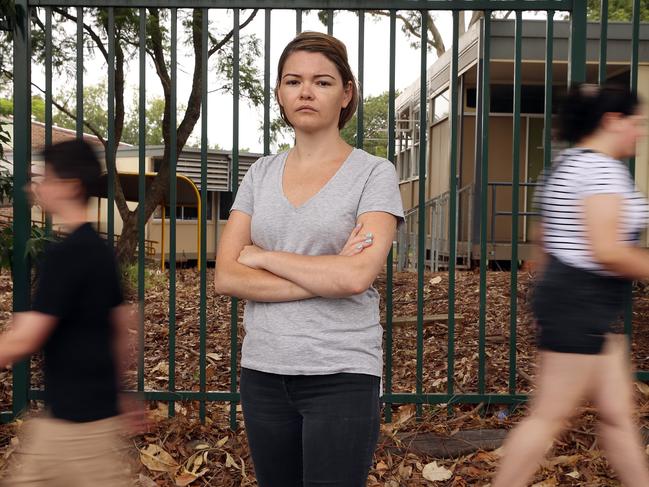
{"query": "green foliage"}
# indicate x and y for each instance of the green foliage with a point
(38, 108)
(95, 108)
(34, 246)
(375, 125)
(153, 278)
(6, 107)
(155, 111)
(618, 10)
(6, 185)
(7, 14)
(5, 139)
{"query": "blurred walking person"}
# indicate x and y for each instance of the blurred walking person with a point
(79, 319)
(591, 219)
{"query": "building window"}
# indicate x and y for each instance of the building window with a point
(186, 213)
(225, 203)
(440, 107)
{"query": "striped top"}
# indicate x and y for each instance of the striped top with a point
(576, 174)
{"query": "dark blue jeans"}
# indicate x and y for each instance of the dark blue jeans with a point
(307, 431)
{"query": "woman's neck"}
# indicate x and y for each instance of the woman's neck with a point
(601, 145)
(316, 147)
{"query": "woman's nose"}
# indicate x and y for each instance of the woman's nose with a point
(306, 92)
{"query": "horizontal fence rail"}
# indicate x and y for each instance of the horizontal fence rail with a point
(453, 202)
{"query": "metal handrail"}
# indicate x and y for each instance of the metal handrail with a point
(494, 185)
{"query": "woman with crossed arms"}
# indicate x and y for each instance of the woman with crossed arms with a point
(308, 233)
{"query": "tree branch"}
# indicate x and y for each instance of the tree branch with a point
(87, 28)
(229, 35)
(436, 42)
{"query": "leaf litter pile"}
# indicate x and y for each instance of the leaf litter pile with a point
(460, 447)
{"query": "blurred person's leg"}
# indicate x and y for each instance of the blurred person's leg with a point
(614, 400)
(273, 427)
(563, 381)
(57, 453)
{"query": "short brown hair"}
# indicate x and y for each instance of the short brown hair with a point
(332, 49)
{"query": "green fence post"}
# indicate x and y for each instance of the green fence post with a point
(21, 208)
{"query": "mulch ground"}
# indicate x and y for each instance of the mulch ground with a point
(212, 454)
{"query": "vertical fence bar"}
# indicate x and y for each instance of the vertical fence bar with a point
(513, 304)
(48, 95)
(22, 164)
(267, 20)
(421, 213)
(79, 120)
(298, 20)
(110, 145)
(203, 216)
(603, 40)
(484, 188)
(577, 52)
(235, 186)
(141, 193)
(330, 22)
(635, 44)
(361, 78)
(453, 118)
(549, 75)
(173, 160)
(389, 299)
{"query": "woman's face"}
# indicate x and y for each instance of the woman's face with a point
(628, 130)
(311, 91)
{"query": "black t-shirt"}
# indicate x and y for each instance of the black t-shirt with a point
(78, 283)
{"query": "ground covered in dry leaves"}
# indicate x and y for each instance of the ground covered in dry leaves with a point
(182, 451)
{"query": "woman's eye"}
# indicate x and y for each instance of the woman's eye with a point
(292, 82)
(324, 83)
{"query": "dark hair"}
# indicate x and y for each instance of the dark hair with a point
(583, 107)
(332, 49)
(75, 159)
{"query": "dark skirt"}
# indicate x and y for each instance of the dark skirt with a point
(575, 308)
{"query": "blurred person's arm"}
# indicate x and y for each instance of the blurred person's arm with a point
(603, 217)
(539, 255)
(124, 322)
(123, 319)
(26, 335)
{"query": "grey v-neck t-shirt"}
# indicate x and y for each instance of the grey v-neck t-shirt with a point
(318, 335)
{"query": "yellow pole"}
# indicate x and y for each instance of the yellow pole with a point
(200, 223)
(162, 240)
(99, 215)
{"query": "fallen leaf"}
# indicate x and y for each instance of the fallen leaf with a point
(229, 461)
(436, 280)
(434, 472)
(162, 368)
(551, 482)
(185, 477)
(643, 387)
(155, 458)
(574, 474)
(145, 481)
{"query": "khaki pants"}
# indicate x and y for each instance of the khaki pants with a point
(58, 453)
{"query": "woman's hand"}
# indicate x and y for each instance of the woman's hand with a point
(252, 256)
(357, 242)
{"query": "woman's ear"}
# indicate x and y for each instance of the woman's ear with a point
(610, 120)
(348, 94)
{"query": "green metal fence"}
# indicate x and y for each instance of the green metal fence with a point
(22, 160)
